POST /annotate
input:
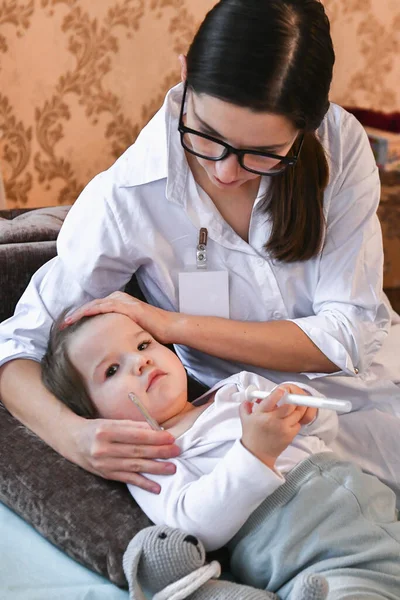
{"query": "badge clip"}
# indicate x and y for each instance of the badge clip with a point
(201, 251)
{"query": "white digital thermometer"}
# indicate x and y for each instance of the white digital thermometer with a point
(345, 406)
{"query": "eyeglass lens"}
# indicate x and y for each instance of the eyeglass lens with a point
(211, 150)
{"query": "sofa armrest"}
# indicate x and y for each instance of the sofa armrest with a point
(27, 241)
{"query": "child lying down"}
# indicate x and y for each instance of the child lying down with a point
(259, 477)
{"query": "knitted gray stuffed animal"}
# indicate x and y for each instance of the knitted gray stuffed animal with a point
(170, 565)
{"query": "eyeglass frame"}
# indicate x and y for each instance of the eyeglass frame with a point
(288, 161)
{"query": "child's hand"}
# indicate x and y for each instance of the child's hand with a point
(267, 429)
(310, 413)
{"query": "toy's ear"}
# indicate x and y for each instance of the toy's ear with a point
(130, 564)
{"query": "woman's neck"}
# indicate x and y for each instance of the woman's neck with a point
(236, 205)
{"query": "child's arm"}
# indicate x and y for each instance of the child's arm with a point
(214, 506)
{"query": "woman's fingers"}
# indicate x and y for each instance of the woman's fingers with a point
(138, 480)
(118, 450)
(129, 432)
(132, 451)
(140, 465)
(115, 302)
(156, 321)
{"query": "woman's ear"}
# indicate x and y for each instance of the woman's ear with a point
(182, 62)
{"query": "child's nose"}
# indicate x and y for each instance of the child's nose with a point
(140, 361)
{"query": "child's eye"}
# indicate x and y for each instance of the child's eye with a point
(111, 371)
(143, 345)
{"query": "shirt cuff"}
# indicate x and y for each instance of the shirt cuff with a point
(253, 467)
(331, 347)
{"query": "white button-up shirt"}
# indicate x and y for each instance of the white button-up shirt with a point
(143, 216)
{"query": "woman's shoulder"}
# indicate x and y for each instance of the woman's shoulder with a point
(146, 159)
(144, 162)
(346, 147)
(340, 129)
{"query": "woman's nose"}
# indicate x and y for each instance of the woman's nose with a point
(227, 170)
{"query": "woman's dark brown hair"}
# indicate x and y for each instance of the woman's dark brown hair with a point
(275, 56)
(59, 374)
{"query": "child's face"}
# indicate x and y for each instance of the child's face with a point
(115, 356)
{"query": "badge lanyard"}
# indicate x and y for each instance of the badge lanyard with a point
(201, 254)
(203, 291)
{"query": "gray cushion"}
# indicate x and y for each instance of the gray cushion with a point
(42, 224)
(27, 241)
(89, 518)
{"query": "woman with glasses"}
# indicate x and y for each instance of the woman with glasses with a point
(247, 210)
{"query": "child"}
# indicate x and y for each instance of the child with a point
(250, 475)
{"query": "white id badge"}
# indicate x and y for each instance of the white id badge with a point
(204, 293)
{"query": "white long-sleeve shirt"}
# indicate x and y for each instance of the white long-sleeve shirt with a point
(143, 216)
(218, 483)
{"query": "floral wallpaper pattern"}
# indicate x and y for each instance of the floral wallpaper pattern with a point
(79, 79)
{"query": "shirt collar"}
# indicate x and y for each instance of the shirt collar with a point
(158, 153)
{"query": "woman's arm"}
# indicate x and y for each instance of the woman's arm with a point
(276, 345)
(117, 450)
(95, 256)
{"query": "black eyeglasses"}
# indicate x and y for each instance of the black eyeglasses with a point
(210, 148)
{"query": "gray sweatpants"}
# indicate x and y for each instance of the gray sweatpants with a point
(330, 518)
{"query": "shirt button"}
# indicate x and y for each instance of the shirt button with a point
(277, 315)
(260, 262)
(356, 371)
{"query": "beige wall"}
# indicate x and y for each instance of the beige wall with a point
(78, 79)
(366, 34)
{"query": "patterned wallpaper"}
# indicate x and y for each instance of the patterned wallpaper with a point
(78, 80)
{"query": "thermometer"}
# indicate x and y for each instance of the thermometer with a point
(152, 422)
(252, 393)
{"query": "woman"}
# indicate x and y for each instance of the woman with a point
(286, 186)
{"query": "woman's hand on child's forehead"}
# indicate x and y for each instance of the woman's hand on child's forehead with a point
(113, 303)
(156, 321)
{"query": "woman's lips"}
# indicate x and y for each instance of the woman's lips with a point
(153, 378)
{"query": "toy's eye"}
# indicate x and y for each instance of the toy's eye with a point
(162, 536)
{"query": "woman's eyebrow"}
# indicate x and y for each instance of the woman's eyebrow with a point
(215, 133)
(210, 129)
